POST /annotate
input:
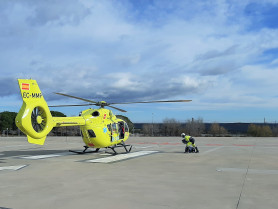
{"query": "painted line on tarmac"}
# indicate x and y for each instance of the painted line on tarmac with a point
(39, 157)
(13, 168)
(11, 146)
(144, 147)
(244, 145)
(250, 171)
(159, 143)
(210, 150)
(105, 154)
(120, 157)
(205, 145)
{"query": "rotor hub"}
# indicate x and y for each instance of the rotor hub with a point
(39, 119)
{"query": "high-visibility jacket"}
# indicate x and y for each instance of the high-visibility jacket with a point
(189, 141)
(187, 138)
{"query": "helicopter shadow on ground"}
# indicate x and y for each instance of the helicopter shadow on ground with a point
(22, 153)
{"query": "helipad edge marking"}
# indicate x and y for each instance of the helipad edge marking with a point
(120, 157)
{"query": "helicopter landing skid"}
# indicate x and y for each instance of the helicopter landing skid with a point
(84, 151)
(122, 144)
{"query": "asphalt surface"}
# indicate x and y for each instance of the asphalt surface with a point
(228, 173)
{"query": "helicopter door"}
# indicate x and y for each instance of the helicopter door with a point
(109, 126)
(114, 132)
(121, 130)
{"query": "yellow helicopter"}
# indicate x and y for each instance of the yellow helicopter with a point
(100, 128)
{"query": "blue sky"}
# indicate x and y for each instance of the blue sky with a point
(221, 54)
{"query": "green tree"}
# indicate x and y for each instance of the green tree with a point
(266, 131)
(7, 120)
(58, 131)
(216, 129)
(57, 114)
(259, 131)
(252, 130)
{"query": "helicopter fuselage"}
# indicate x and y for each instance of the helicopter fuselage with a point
(102, 128)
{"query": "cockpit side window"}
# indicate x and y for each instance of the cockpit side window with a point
(114, 128)
(126, 127)
(109, 127)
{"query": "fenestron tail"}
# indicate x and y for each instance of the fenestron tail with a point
(34, 118)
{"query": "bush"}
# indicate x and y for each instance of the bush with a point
(259, 131)
(217, 130)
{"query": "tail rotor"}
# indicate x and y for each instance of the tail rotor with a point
(38, 119)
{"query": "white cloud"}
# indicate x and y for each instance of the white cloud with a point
(160, 50)
(123, 81)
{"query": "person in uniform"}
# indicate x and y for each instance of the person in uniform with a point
(190, 143)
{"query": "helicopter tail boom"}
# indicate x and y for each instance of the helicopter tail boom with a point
(68, 121)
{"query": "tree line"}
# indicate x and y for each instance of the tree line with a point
(169, 127)
(173, 127)
(262, 130)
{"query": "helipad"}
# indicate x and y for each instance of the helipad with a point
(228, 173)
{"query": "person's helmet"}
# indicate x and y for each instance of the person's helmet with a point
(183, 135)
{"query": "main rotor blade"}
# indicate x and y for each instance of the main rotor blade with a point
(154, 101)
(70, 105)
(67, 95)
(117, 108)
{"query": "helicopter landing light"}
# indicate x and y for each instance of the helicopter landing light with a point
(120, 157)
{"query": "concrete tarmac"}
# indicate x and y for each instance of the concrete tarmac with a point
(228, 173)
